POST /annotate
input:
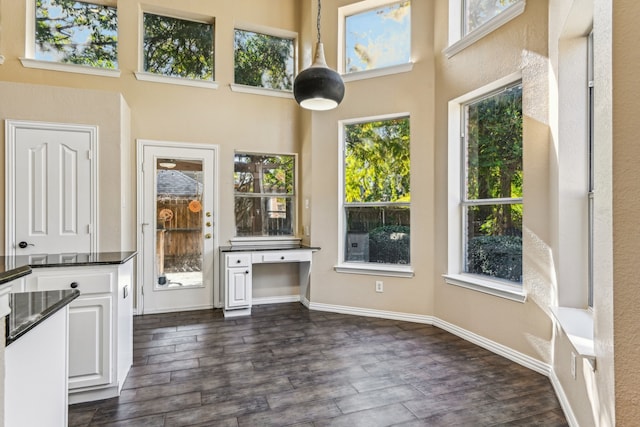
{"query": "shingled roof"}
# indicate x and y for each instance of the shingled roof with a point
(176, 183)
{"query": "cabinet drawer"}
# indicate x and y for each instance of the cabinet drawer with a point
(238, 260)
(282, 256)
(88, 283)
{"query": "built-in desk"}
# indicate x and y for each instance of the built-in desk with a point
(236, 272)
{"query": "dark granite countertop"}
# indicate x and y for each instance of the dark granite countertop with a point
(251, 248)
(14, 267)
(28, 309)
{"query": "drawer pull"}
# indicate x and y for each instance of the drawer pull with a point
(74, 285)
(246, 272)
(282, 257)
(238, 261)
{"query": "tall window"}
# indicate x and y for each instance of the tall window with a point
(265, 194)
(76, 32)
(263, 60)
(378, 37)
(178, 48)
(478, 12)
(377, 191)
(492, 177)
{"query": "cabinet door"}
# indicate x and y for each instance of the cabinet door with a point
(238, 287)
(90, 331)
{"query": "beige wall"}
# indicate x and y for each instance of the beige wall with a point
(519, 46)
(127, 109)
(158, 111)
(411, 93)
(623, 18)
(107, 110)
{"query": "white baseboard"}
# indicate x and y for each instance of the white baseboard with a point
(356, 311)
(163, 310)
(275, 300)
(564, 401)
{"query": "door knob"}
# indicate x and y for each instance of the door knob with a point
(207, 236)
(24, 244)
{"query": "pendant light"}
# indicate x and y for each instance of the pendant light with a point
(318, 87)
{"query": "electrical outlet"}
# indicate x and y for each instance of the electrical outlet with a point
(573, 365)
(379, 286)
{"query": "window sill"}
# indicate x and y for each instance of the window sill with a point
(379, 72)
(156, 78)
(68, 68)
(577, 324)
(261, 91)
(374, 269)
(488, 27)
(487, 286)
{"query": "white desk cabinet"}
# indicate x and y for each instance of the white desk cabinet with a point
(100, 325)
(238, 281)
(237, 273)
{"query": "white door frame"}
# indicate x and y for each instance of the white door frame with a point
(140, 145)
(11, 128)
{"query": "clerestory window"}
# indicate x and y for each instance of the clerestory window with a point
(76, 32)
(176, 47)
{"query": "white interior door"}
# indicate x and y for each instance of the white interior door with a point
(178, 238)
(50, 175)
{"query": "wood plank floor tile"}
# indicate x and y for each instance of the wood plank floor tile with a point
(287, 366)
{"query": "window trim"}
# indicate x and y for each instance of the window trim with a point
(455, 268)
(69, 68)
(590, 170)
(367, 268)
(146, 76)
(458, 42)
(353, 9)
(289, 239)
(274, 32)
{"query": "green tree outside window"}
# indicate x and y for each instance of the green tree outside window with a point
(493, 194)
(262, 60)
(377, 191)
(178, 47)
(76, 32)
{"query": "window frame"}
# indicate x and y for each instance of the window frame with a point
(457, 194)
(459, 41)
(354, 9)
(291, 239)
(273, 32)
(590, 170)
(368, 268)
(29, 60)
(146, 76)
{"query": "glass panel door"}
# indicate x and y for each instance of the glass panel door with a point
(179, 225)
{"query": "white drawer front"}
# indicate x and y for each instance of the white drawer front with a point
(282, 256)
(87, 283)
(238, 260)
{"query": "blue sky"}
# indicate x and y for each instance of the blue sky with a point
(379, 37)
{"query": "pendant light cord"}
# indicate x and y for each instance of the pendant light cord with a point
(318, 21)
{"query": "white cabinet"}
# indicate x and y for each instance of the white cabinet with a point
(36, 374)
(237, 281)
(90, 329)
(100, 325)
(237, 274)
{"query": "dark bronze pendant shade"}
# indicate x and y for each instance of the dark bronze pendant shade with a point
(318, 87)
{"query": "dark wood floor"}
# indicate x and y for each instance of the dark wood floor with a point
(287, 366)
